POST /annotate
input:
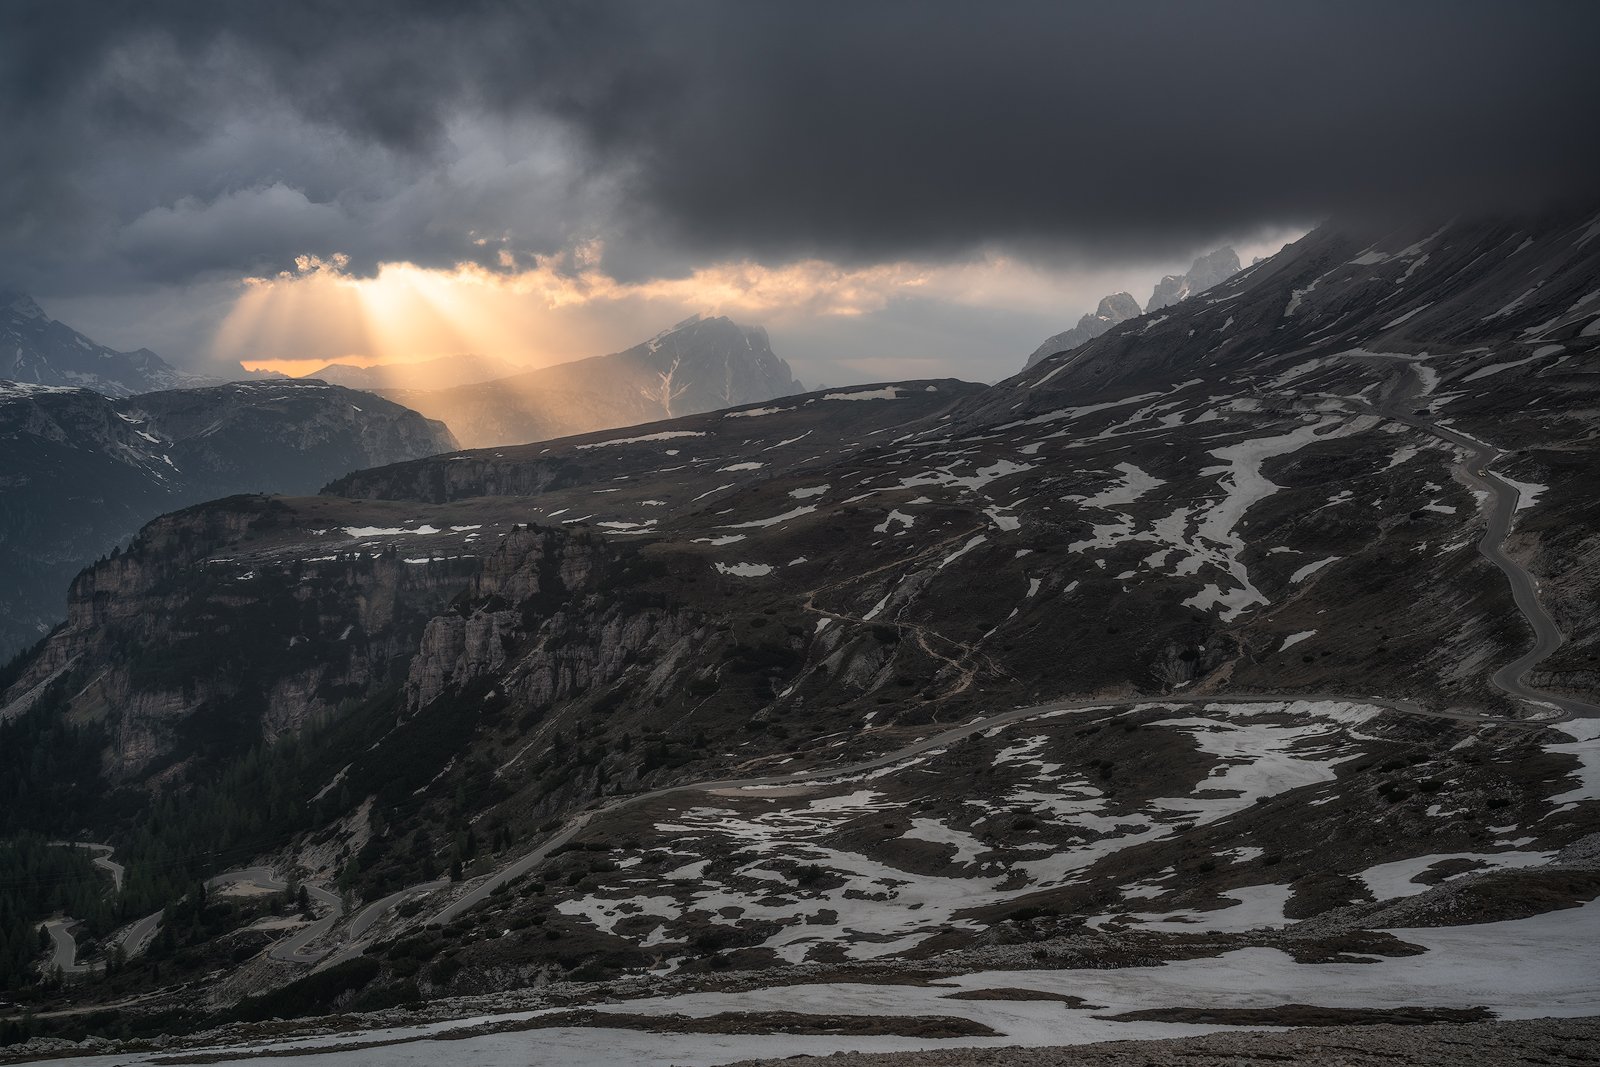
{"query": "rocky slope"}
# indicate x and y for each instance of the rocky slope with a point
(38, 350)
(1222, 559)
(84, 471)
(698, 365)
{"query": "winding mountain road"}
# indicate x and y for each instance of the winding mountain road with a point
(292, 949)
(102, 859)
(64, 947)
(136, 936)
(1502, 510)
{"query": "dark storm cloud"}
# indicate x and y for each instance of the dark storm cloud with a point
(174, 139)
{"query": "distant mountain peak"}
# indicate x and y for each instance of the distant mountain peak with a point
(21, 304)
(36, 349)
(1206, 271)
(441, 372)
(700, 364)
(1117, 308)
(1113, 309)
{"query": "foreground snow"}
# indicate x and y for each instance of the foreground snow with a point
(1548, 965)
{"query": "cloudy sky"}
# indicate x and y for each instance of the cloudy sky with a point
(893, 188)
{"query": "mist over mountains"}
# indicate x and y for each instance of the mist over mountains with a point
(697, 365)
(440, 372)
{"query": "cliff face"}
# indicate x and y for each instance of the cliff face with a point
(195, 654)
(227, 625)
(542, 612)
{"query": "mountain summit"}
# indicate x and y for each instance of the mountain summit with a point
(698, 365)
(1205, 272)
(1114, 309)
(36, 349)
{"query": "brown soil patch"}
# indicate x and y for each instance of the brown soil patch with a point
(1306, 1015)
(1021, 995)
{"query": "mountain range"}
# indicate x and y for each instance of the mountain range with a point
(84, 471)
(424, 374)
(38, 350)
(1244, 643)
(697, 365)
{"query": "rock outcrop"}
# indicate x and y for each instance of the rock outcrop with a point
(1113, 309)
(1208, 270)
(254, 648)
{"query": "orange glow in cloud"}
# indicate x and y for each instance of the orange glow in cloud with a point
(564, 307)
(298, 322)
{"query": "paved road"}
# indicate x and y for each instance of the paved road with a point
(1400, 406)
(63, 944)
(376, 910)
(102, 859)
(293, 948)
(136, 936)
(353, 945)
(64, 947)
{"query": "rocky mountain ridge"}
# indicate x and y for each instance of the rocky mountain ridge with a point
(1206, 271)
(1113, 309)
(37, 350)
(1203, 273)
(86, 471)
(697, 365)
